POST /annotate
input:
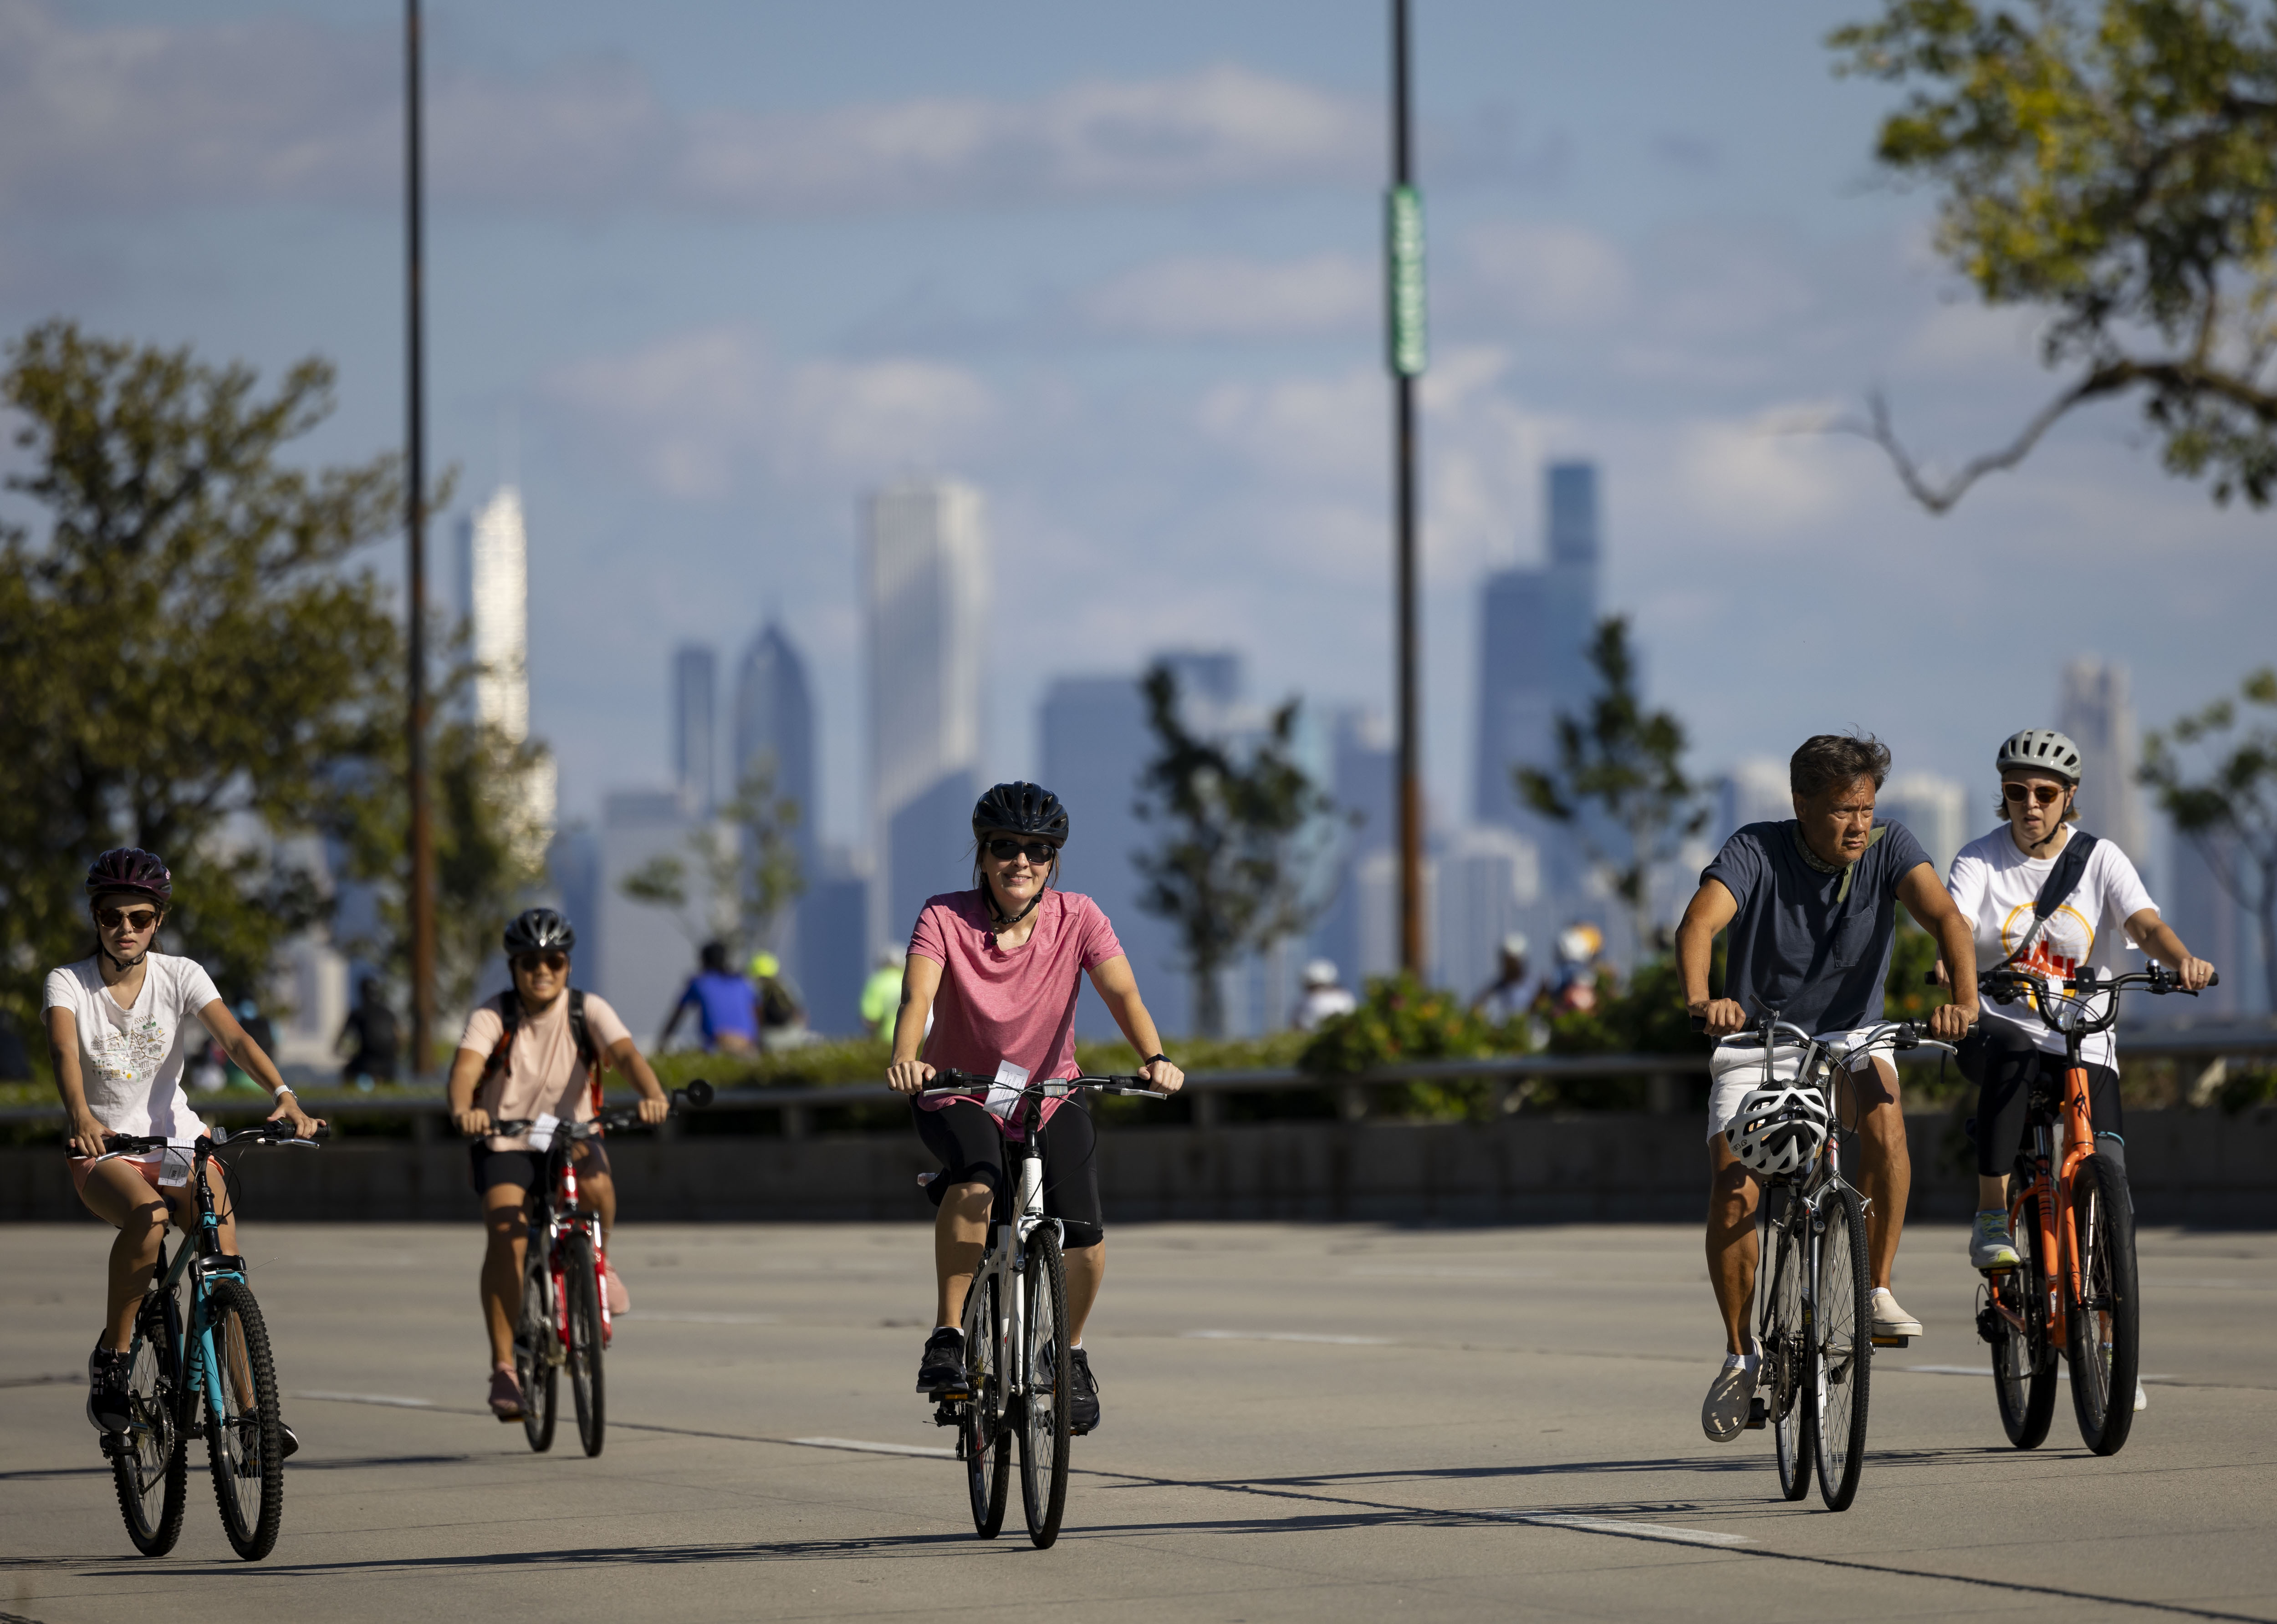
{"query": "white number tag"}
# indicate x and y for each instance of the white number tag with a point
(1004, 1093)
(541, 1131)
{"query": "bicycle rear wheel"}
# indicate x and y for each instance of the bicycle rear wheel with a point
(243, 1443)
(2023, 1364)
(1044, 1410)
(581, 1287)
(986, 1443)
(536, 1344)
(150, 1460)
(1842, 1347)
(2103, 1338)
(1778, 1381)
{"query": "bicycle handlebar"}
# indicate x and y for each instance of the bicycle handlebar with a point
(695, 1096)
(2005, 986)
(962, 1084)
(269, 1133)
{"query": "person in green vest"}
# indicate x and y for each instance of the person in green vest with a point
(882, 994)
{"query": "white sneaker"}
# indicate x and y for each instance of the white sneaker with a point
(1890, 1320)
(2142, 1398)
(1730, 1397)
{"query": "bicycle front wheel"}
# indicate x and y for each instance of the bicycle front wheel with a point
(536, 1343)
(1842, 1347)
(2103, 1338)
(582, 1288)
(150, 1460)
(1048, 1383)
(1778, 1381)
(2023, 1364)
(984, 1439)
(243, 1442)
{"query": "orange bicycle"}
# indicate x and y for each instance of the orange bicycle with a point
(2074, 1290)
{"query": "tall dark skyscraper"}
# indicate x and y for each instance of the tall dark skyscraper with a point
(1534, 636)
(774, 720)
(695, 686)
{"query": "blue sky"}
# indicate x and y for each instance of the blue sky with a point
(722, 267)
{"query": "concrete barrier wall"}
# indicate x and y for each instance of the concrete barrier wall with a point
(2185, 1168)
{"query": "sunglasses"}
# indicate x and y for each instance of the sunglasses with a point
(2046, 794)
(138, 920)
(529, 964)
(1038, 851)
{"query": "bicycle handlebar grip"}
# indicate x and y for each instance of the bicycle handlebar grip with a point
(1700, 1024)
(1929, 979)
(2214, 980)
(698, 1093)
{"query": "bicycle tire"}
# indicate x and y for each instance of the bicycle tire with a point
(583, 1291)
(1779, 1377)
(1046, 1385)
(2023, 1364)
(987, 1446)
(244, 1446)
(2105, 1365)
(1841, 1366)
(150, 1462)
(535, 1346)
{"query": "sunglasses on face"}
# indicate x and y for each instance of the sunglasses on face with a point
(138, 920)
(2046, 794)
(529, 964)
(1037, 851)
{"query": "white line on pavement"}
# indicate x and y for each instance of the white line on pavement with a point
(2062, 1374)
(1285, 1336)
(698, 1318)
(1616, 1525)
(858, 1445)
(393, 1400)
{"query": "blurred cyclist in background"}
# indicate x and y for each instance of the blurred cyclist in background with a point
(1505, 996)
(782, 1013)
(379, 1041)
(1325, 997)
(727, 1009)
(881, 995)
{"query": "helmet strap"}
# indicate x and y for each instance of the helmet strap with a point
(996, 911)
(121, 965)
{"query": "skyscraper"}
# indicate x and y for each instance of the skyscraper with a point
(1534, 629)
(774, 722)
(1934, 810)
(494, 588)
(2098, 715)
(924, 572)
(1092, 744)
(694, 686)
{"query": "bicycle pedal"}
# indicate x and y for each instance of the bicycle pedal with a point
(945, 1414)
(1894, 1341)
(1759, 1414)
(112, 1444)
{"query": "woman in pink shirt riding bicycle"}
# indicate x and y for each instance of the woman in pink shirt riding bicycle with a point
(998, 969)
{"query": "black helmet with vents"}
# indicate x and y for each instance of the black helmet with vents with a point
(1021, 809)
(536, 929)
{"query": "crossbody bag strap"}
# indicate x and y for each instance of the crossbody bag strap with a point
(2063, 879)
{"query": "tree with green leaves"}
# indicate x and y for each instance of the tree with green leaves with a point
(1236, 867)
(2228, 811)
(1620, 768)
(2113, 165)
(187, 657)
(745, 863)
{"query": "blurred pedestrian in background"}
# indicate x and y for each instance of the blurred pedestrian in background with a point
(1325, 997)
(782, 1013)
(1505, 996)
(727, 1007)
(378, 1040)
(1578, 946)
(882, 994)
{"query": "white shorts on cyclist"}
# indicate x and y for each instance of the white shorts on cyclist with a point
(1735, 1068)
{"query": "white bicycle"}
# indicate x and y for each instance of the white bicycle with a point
(1015, 1320)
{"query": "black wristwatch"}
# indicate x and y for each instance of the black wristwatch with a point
(1151, 1059)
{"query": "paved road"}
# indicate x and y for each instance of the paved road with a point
(1308, 1422)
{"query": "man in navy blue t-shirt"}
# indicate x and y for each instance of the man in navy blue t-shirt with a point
(1810, 904)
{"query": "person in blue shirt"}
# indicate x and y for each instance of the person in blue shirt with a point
(726, 1008)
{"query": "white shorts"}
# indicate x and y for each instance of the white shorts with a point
(1735, 1072)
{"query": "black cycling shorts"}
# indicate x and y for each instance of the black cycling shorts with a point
(487, 1169)
(972, 1151)
(2005, 1065)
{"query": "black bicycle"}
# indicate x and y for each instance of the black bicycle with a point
(565, 1323)
(1016, 1341)
(200, 1365)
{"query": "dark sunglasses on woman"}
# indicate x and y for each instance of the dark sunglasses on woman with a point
(1038, 851)
(2046, 794)
(529, 963)
(134, 919)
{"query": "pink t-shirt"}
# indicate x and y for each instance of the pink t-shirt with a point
(1018, 1005)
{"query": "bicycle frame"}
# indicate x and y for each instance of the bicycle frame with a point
(1005, 1260)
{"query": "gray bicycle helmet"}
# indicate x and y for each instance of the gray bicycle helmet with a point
(536, 929)
(1021, 809)
(2040, 749)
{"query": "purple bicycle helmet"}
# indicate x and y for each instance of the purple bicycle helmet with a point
(130, 868)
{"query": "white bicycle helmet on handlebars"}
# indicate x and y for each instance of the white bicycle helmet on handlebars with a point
(1777, 1130)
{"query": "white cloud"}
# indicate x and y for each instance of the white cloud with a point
(1225, 296)
(1541, 274)
(1767, 475)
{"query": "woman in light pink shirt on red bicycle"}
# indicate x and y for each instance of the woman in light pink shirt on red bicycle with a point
(997, 970)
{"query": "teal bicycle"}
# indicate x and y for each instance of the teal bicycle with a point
(200, 1367)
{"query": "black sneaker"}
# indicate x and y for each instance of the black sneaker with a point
(1083, 1396)
(107, 1405)
(291, 1445)
(941, 1371)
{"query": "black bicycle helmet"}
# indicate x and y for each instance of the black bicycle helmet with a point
(130, 867)
(536, 929)
(1021, 809)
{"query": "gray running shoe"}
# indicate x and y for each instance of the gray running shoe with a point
(1991, 1245)
(1730, 1397)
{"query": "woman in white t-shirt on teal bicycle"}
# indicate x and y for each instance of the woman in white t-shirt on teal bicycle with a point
(121, 1024)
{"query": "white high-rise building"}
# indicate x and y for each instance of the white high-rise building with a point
(1754, 791)
(925, 575)
(1935, 809)
(494, 590)
(2098, 713)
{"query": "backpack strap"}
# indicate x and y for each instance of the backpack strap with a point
(509, 1009)
(2069, 868)
(581, 1035)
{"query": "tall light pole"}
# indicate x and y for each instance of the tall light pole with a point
(421, 898)
(1404, 353)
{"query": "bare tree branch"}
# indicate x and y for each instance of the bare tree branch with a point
(1940, 498)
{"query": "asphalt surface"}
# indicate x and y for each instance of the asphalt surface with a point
(1312, 1423)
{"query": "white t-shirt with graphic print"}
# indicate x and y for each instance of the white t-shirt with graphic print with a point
(129, 1060)
(1994, 884)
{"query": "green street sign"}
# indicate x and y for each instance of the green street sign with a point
(1403, 255)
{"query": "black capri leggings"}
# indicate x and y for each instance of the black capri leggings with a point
(2005, 1064)
(972, 1151)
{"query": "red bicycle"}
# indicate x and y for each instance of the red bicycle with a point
(565, 1321)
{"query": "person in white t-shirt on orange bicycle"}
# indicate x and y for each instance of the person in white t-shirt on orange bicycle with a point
(121, 1024)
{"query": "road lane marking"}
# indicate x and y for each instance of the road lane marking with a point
(861, 1446)
(1284, 1336)
(2062, 1373)
(390, 1400)
(694, 1318)
(1668, 1531)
